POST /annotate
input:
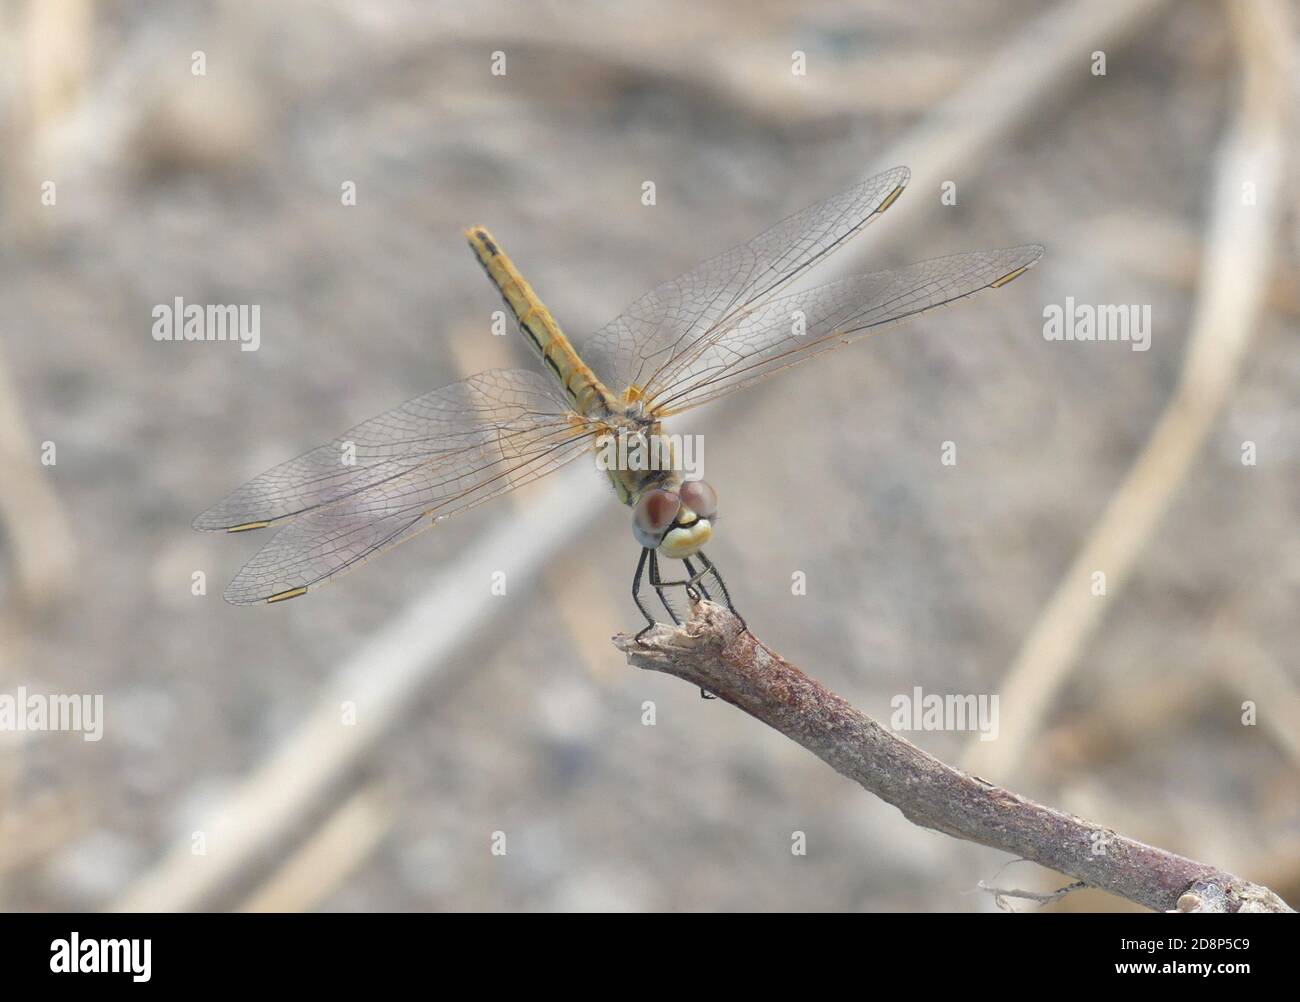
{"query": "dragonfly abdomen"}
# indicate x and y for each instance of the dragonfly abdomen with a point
(586, 392)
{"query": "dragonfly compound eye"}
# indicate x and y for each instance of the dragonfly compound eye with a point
(654, 513)
(700, 498)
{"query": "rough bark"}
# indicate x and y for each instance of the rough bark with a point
(713, 652)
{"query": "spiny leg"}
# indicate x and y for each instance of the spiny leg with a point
(722, 585)
(696, 580)
(636, 594)
(699, 583)
(647, 553)
(658, 585)
(690, 585)
(709, 568)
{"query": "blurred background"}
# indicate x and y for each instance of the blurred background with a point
(358, 749)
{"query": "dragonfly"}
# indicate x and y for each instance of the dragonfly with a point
(724, 325)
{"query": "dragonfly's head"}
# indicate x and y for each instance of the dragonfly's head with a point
(676, 523)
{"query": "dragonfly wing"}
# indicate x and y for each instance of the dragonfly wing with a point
(670, 319)
(331, 540)
(451, 428)
(790, 329)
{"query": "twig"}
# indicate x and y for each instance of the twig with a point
(1117, 721)
(1000, 894)
(37, 829)
(1039, 64)
(1165, 249)
(51, 45)
(31, 513)
(326, 859)
(1254, 674)
(1235, 272)
(713, 652)
(380, 679)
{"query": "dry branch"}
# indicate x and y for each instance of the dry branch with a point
(322, 863)
(713, 652)
(32, 516)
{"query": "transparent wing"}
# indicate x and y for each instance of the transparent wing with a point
(330, 541)
(668, 320)
(790, 329)
(446, 428)
(431, 457)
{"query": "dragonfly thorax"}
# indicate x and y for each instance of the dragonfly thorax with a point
(636, 456)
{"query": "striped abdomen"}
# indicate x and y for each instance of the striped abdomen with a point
(587, 394)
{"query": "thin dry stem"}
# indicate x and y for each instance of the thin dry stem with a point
(712, 651)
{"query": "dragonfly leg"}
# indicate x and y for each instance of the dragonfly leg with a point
(710, 567)
(659, 585)
(636, 595)
(697, 578)
(689, 582)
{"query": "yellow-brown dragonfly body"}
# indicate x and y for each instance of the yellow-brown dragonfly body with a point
(721, 326)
